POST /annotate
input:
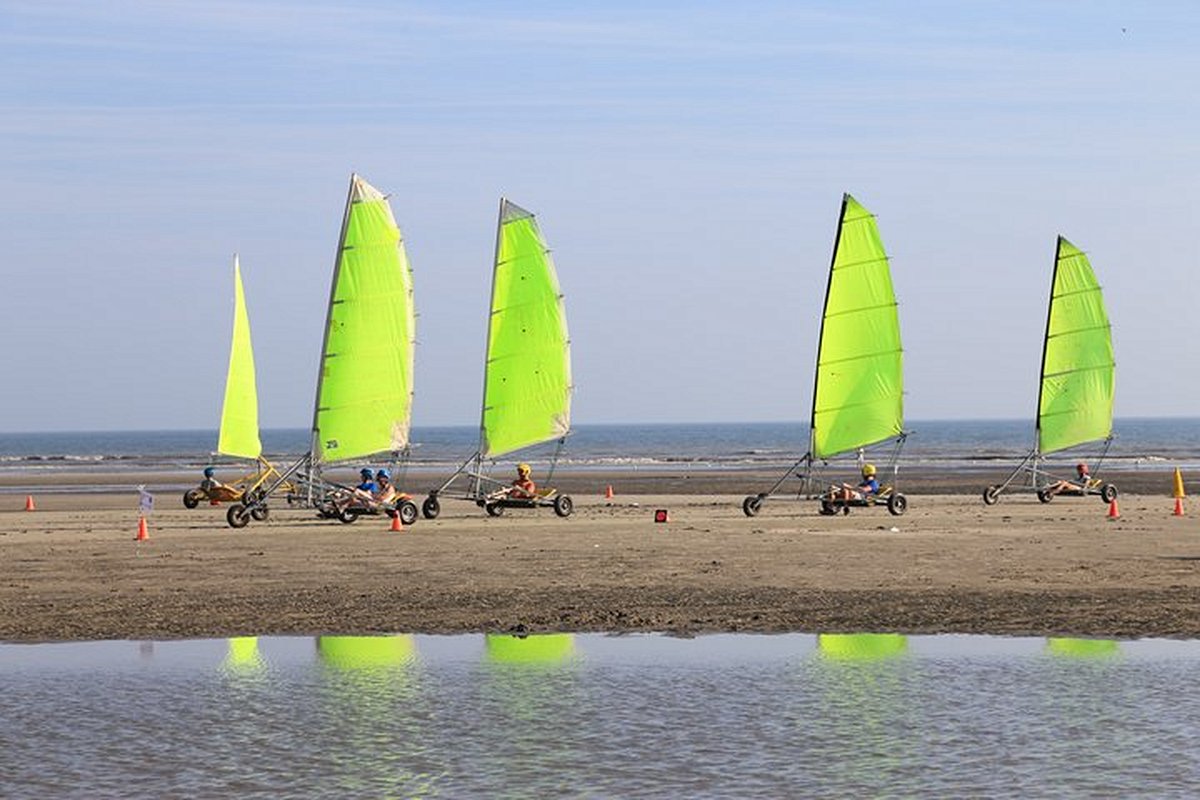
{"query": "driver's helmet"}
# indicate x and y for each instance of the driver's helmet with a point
(209, 472)
(523, 470)
(868, 470)
(383, 473)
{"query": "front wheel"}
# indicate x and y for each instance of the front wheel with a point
(191, 498)
(346, 516)
(237, 516)
(407, 510)
(897, 504)
(991, 496)
(260, 513)
(1108, 493)
(752, 505)
(431, 507)
(1045, 495)
(563, 505)
(493, 509)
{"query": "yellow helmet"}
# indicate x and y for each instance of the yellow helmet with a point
(523, 469)
(868, 470)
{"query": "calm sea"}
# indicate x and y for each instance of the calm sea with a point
(592, 716)
(958, 443)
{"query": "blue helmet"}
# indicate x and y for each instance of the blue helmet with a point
(383, 473)
(365, 474)
(209, 472)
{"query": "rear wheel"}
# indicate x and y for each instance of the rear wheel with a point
(752, 505)
(260, 513)
(563, 505)
(493, 509)
(1045, 495)
(407, 510)
(827, 508)
(191, 498)
(1108, 492)
(237, 516)
(991, 496)
(347, 516)
(431, 507)
(897, 504)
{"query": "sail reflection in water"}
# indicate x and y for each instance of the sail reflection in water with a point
(601, 716)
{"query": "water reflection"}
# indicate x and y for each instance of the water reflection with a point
(243, 656)
(1082, 648)
(861, 646)
(373, 718)
(543, 648)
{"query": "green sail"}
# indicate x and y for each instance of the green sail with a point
(239, 413)
(858, 398)
(364, 391)
(1075, 402)
(527, 379)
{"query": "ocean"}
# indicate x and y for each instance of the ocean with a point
(957, 444)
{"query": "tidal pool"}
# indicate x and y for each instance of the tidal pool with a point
(601, 716)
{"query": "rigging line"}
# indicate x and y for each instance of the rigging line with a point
(1081, 330)
(1097, 289)
(1078, 370)
(892, 304)
(881, 260)
(876, 354)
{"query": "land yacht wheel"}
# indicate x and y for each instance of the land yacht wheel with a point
(237, 516)
(1045, 495)
(991, 496)
(897, 504)
(1108, 492)
(493, 509)
(431, 507)
(347, 516)
(752, 505)
(260, 513)
(191, 498)
(407, 510)
(563, 505)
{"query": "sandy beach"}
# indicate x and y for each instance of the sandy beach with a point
(72, 570)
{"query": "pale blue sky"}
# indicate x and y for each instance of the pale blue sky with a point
(686, 162)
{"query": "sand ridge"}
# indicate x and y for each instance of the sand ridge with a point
(72, 570)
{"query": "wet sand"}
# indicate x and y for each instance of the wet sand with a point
(71, 569)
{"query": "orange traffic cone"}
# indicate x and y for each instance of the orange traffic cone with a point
(608, 493)
(1179, 506)
(397, 525)
(1113, 511)
(143, 530)
(29, 506)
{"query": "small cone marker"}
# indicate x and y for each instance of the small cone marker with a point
(608, 493)
(143, 530)
(397, 525)
(1179, 506)
(1113, 511)
(1179, 484)
(661, 515)
(29, 506)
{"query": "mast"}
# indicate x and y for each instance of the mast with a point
(337, 267)
(1037, 428)
(837, 238)
(487, 346)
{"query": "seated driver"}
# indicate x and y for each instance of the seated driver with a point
(523, 488)
(868, 487)
(1082, 479)
(385, 492)
(210, 482)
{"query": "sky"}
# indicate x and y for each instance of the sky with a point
(686, 162)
